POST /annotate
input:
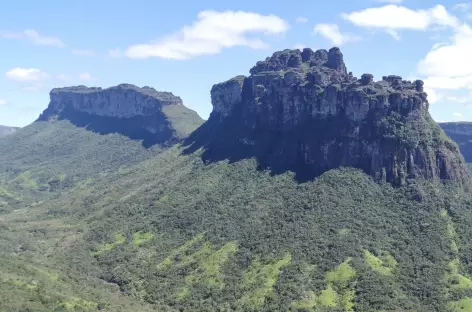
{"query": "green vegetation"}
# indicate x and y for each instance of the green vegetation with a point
(119, 239)
(156, 230)
(141, 237)
(259, 281)
(384, 267)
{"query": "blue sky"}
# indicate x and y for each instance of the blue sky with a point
(187, 46)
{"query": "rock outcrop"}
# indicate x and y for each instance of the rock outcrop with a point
(302, 111)
(140, 113)
(4, 130)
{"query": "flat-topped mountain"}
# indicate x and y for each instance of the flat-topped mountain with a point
(4, 130)
(139, 113)
(302, 111)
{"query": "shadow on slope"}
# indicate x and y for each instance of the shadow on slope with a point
(151, 130)
(277, 151)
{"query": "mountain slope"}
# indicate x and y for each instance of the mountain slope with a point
(224, 222)
(461, 133)
(4, 130)
(67, 144)
(190, 236)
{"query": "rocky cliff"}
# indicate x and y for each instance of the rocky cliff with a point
(4, 130)
(303, 111)
(140, 113)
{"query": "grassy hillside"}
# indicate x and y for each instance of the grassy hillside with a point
(173, 234)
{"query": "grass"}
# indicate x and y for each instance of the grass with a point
(455, 279)
(170, 259)
(119, 239)
(141, 237)
(341, 275)
(463, 305)
(385, 267)
(259, 281)
(208, 273)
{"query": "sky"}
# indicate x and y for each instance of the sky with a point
(186, 46)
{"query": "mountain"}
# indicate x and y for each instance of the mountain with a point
(302, 111)
(255, 210)
(461, 133)
(4, 130)
(89, 131)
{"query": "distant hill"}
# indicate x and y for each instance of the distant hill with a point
(461, 133)
(4, 130)
(306, 190)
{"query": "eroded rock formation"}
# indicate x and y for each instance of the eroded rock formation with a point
(302, 111)
(140, 113)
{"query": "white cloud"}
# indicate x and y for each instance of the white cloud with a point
(3, 102)
(457, 114)
(34, 37)
(448, 66)
(392, 18)
(301, 20)
(83, 52)
(85, 76)
(26, 74)
(210, 33)
(332, 33)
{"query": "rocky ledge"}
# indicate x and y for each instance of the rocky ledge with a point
(139, 113)
(303, 111)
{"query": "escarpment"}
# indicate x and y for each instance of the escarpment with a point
(303, 111)
(139, 113)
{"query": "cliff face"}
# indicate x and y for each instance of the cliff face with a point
(303, 111)
(461, 133)
(4, 130)
(140, 113)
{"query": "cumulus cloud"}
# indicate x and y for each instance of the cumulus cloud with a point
(392, 18)
(332, 33)
(448, 66)
(34, 37)
(83, 52)
(301, 20)
(457, 114)
(3, 102)
(210, 33)
(300, 46)
(26, 74)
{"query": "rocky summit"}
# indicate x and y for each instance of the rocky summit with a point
(303, 111)
(139, 113)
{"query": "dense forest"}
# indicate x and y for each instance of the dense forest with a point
(170, 233)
